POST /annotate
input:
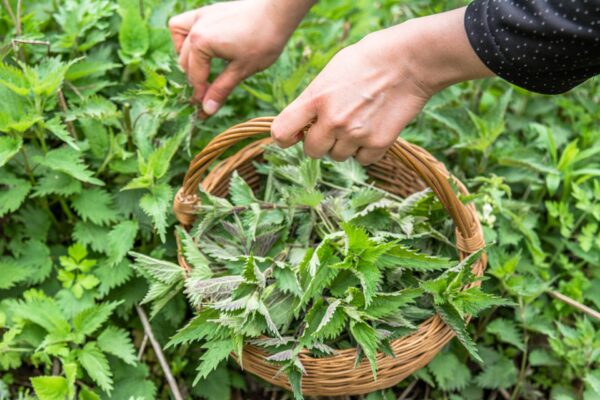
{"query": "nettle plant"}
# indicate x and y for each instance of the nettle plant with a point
(91, 101)
(319, 260)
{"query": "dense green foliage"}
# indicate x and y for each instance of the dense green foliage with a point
(96, 131)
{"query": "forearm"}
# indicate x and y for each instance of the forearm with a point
(434, 51)
(288, 14)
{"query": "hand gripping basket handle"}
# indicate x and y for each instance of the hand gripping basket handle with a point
(432, 172)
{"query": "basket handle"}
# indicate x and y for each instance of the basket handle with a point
(186, 198)
(430, 170)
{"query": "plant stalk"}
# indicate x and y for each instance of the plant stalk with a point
(159, 353)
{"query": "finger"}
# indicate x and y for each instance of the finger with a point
(342, 150)
(221, 87)
(318, 141)
(184, 55)
(366, 156)
(180, 26)
(287, 127)
(198, 68)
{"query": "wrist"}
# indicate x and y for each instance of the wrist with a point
(286, 15)
(433, 51)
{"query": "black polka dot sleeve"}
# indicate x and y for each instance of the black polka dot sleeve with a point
(545, 46)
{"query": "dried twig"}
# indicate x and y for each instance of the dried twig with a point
(575, 304)
(10, 12)
(142, 347)
(63, 106)
(408, 390)
(33, 42)
(18, 27)
(159, 354)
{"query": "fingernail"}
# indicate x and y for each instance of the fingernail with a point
(210, 106)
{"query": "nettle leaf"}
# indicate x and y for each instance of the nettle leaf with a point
(94, 362)
(157, 204)
(402, 257)
(501, 374)
(89, 320)
(54, 182)
(9, 146)
(216, 352)
(199, 328)
(58, 129)
(134, 37)
(13, 192)
(194, 256)
(366, 337)
(328, 316)
(94, 107)
(385, 304)
(12, 273)
(50, 387)
(120, 240)
(241, 194)
(116, 341)
(41, 310)
(507, 332)
(450, 374)
(69, 161)
(451, 317)
(87, 233)
(163, 271)
(95, 205)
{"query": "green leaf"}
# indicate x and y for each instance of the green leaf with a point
(403, 257)
(50, 387)
(199, 328)
(216, 352)
(94, 362)
(9, 146)
(87, 233)
(134, 37)
(90, 319)
(120, 240)
(506, 331)
(94, 107)
(163, 271)
(450, 374)
(116, 341)
(157, 204)
(95, 205)
(241, 194)
(502, 374)
(58, 129)
(367, 339)
(451, 317)
(41, 310)
(385, 304)
(193, 255)
(54, 182)
(370, 278)
(13, 192)
(12, 273)
(68, 160)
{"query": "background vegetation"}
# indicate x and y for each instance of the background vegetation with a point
(96, 132)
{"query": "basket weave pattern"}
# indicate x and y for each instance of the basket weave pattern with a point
(405, 169)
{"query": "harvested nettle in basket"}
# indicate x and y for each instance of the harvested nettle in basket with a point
(317, 280)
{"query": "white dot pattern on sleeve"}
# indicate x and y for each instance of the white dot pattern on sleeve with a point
(546, 46)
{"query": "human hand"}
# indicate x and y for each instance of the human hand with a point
(371, 90)
(248, 34)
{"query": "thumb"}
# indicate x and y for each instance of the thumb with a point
(221, 87)
(287, 128)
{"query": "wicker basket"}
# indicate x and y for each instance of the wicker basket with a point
(405, 169)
